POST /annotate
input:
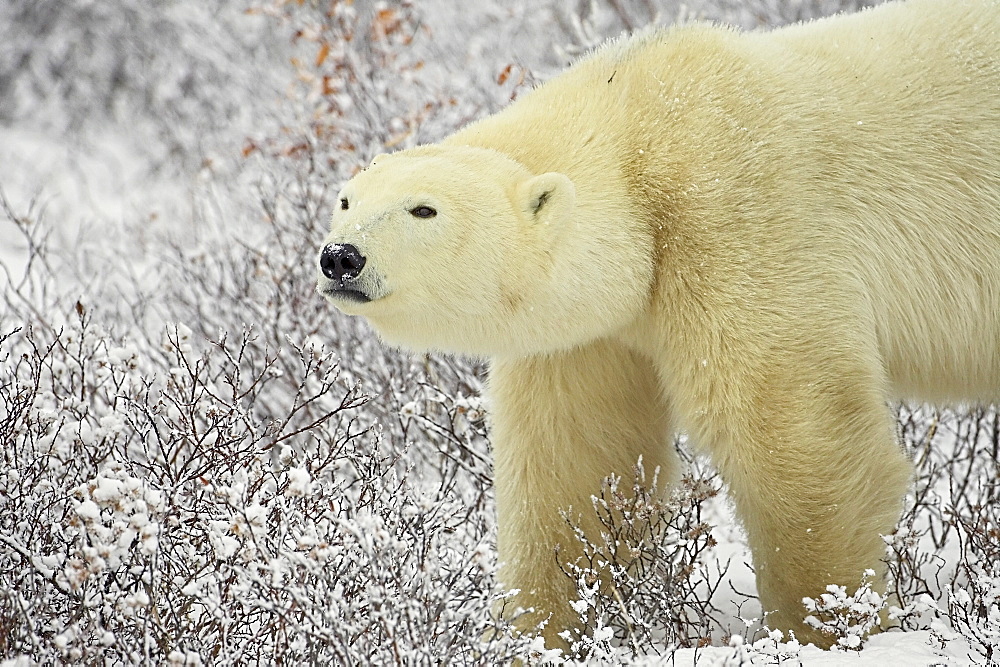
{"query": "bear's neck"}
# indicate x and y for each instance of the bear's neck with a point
(561, 128)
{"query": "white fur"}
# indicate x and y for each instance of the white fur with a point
(760, 239)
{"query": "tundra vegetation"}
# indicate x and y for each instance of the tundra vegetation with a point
(203, 463)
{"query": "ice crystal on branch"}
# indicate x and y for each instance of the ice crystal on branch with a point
(647, 581)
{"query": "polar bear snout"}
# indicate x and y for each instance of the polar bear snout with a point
(341, 262)
(341, 265)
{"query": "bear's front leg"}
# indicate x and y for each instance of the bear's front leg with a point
(561, 423)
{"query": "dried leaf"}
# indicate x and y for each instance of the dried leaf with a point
(504, 75)
(324, 51)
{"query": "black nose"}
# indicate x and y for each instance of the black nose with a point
(341, 262)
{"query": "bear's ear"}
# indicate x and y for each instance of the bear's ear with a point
(547, 198)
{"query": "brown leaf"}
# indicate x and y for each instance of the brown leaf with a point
(324, 51)
(504, 75)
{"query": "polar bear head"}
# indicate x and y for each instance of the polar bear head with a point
(464, 250)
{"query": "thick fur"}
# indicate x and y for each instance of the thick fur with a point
(760, 239)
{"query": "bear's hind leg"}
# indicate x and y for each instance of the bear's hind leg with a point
(561, 424)
(817, 477)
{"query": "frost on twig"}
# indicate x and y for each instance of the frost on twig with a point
(848, 618)
(647, 582)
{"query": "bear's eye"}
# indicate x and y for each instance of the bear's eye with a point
(423, 212)
(343, 205)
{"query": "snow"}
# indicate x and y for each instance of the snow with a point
(88, 510)
(299, 482)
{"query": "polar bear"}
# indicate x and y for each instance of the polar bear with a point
(760, 239)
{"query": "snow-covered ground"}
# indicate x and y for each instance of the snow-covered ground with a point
(170, 165)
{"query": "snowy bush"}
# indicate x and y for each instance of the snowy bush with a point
(81, 64)
(647, 582)
(942, 557)
(849, 618)
(973, 604)
(150, 516)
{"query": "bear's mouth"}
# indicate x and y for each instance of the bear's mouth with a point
(346, 294)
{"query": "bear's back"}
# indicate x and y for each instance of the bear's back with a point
(855, 157)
